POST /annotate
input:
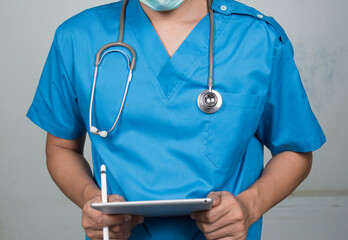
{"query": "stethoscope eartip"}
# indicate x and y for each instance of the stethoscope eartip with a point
(93, 130)
(103, 134)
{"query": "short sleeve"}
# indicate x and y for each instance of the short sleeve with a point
(55, 107)
(288, 123)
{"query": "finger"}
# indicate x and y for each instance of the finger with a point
(98, 234)
(216, 196)
(227, 202)
(127, 231)
(127, 226)
(233, 217)
(237, 232)
(122, 231)
(115, 198)
(120, 227)
(116, 219)
(91, 218)
(211, 227)
(119, 235)
(94, 234)
(137, 220)
(100, 220)
(229, 225)
(92, 213)
(88, 223)
(211, 215)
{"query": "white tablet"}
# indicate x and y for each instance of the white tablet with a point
(157, 208)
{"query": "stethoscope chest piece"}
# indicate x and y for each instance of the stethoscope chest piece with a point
(209, 101)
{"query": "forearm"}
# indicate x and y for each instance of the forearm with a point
(71, 172)
(283, 173)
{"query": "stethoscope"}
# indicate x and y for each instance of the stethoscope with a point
(209, 101)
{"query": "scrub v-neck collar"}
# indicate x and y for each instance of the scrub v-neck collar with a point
(167, 72)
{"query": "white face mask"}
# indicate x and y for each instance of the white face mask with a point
(162, 5)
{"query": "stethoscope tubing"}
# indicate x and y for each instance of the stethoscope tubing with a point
(211, 46)
(99, 55)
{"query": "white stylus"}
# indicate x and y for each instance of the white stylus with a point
(104, 197)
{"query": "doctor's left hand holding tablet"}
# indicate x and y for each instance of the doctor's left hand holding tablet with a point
(120, 226)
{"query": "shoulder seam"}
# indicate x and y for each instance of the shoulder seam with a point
(281, 50)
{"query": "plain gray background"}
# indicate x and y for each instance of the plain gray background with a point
(32, 207)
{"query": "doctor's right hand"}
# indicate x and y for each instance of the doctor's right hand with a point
(120, 226)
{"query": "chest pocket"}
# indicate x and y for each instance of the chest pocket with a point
(231, 128)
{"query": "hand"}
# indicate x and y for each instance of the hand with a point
(227, 220)
(120, 226)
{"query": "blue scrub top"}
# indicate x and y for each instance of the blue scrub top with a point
(164, 146)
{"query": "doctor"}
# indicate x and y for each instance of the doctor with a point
(163, 145)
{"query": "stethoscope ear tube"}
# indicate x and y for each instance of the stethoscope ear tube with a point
(116, 44)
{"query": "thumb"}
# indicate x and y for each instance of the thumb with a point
(216, 196)
(116, 198)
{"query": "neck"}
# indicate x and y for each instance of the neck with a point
(189, 11)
